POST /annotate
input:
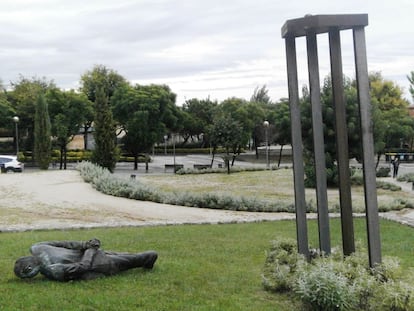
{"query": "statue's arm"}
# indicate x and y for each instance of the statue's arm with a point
(70, 271)
(78, 245)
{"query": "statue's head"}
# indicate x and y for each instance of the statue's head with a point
(26, 267)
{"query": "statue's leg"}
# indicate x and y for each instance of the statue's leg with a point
(125, 261)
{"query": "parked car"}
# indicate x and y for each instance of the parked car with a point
(10, 164)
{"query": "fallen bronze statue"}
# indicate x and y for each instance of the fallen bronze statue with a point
(78, 260)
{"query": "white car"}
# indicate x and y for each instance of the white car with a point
(10, 164)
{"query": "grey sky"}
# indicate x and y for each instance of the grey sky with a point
(216, 48)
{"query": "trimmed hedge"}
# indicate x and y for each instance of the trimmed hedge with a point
(107, 183)
(73, 156)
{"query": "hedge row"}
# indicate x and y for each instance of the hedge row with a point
(107, 183)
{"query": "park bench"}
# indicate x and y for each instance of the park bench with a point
(175, 167)
(201, 166)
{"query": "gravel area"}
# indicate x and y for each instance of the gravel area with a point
(60, 199)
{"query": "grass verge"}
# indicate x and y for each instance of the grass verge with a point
(200, 267)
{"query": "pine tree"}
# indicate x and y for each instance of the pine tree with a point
(106, 152)
(42, 133)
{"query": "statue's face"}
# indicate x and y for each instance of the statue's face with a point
(26, 267)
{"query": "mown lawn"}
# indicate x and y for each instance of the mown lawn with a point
(200, 267)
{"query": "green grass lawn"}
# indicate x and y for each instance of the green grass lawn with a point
(200, 267)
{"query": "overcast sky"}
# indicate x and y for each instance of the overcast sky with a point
(200, 48)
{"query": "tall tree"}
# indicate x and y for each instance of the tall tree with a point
(227, 133)
(42, 134)
(282, 126)
(6, 113)
(100, 77)
(106, 153)
(392, 123)
(257, 113)
(411, 80)
(261, 95)
(22, 98)
(67, 111)
(237, 109)
(352, 116)
(200, 115)
(145, 113)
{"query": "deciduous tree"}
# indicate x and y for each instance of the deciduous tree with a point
(68, 112)
(145, 113)
(23, 98)
(227, 133)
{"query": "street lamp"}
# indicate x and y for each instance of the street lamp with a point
(266, 126)
(173, 138)
(165, 144)
(16, 121)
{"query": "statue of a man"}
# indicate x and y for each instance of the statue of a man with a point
(78, 260)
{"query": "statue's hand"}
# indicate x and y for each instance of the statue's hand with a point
(93, 243)
(44, 259)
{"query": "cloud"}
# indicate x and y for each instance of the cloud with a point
(199, 48)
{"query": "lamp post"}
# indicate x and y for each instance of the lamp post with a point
(16, 121)
(173, 137)
(266, 126)
(165, 144)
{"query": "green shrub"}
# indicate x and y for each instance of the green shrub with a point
(237, 169)
(336, 282)
(387, 186)
(321, 287)
(406, 177)
(393, 295)
(383, 172)
(396, 205)
(282, 261)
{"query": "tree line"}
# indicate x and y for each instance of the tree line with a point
(144, 114)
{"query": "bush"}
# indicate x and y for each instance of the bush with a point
(393, 295)
(388, 186)
(383, 172)
(337, 282)
(280, 266)
(222, 170)
(321, 287)
(406, 177)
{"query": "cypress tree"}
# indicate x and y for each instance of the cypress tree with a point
(106, 152)
(42, 133)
